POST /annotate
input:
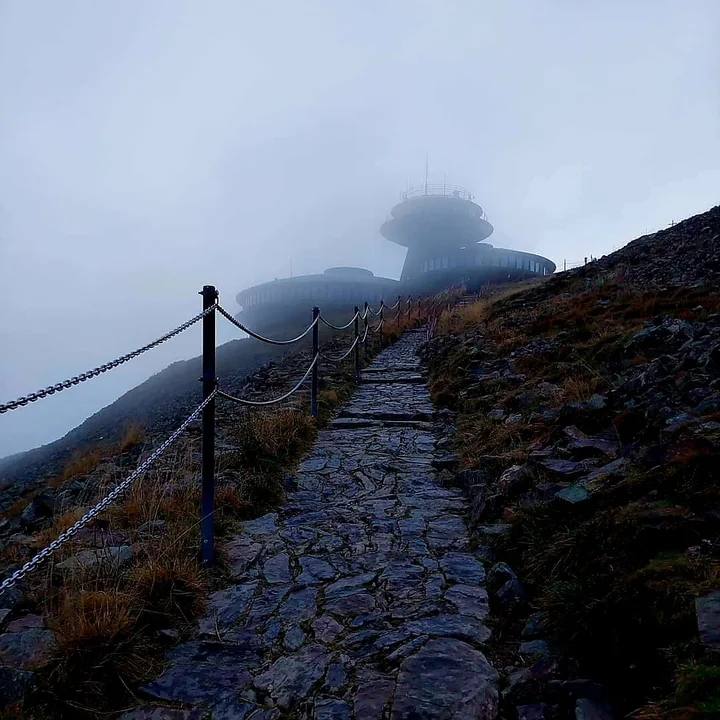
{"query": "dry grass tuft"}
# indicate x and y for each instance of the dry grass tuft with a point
(271, 438)
(132, 437)
(461, 318)
(100, 649)
(59, 525)
(170, 585)
(478, 437)
(82, 463)
(578, 389)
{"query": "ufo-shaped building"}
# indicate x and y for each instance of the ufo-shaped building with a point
(444, 231)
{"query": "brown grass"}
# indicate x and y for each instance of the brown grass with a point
(20, 504)
(616, 575)
(132, 437)
(108, 618)
(170, 586)
(460, 319)
(59, 525)
(271, 438)
(478, 437)
(100, 648)
(578, 389)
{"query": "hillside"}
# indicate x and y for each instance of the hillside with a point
(157, 405)
(588, 421)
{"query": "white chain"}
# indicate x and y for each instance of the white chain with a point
(32, 397)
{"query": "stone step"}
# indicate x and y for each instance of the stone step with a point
(392, 369)
(386, 415)
(350, 423)
(393, 378)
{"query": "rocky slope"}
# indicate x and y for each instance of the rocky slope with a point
(157, 405)
(588, 417)
(100, 614)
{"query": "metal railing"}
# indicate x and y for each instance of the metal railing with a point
(441, 189)
(211, 390)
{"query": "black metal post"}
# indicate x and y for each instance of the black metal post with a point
(382, 318)
(356, 327)
(316, 359)
(365, 330)
(399, 310)
(209, 381)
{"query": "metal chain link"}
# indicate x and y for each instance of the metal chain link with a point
(329, 358)
(105, 502)
(262, 338)
(258, 403)
(32, 397)
(340, 327)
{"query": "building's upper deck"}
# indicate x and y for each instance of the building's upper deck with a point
(436, 213)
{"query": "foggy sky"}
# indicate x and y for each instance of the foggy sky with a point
(148, 148)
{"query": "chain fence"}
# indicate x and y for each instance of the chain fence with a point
(65, 384)
(211, 391)
(105, 503)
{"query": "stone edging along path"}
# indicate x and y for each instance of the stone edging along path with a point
(360, 598)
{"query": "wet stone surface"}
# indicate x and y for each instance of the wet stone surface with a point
(360, 598)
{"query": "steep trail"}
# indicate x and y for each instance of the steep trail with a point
(361, 597)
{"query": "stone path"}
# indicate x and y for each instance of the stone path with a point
(360, 598)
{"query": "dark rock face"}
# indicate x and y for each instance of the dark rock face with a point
(707, 609)
(25, 649)
(289, 679)
(204, 673)
(41, 507)
(446, 678)
(506, 591)
(588, 710)
(14, 685)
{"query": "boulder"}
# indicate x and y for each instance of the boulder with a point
(446, 678)
(534, 626)
(506, 591)
(515, 479)
(15, 685)
(707, 609)
(116, 556)
(23, 650)
(586, 709)
(531, 712)
(40, 508)
(573, 495)
(27, 622)
(536, 649)
(521, 688)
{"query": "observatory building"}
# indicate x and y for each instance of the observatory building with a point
(288, 302)
(444, 229)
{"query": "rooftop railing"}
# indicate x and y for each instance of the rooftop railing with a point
(438, 189)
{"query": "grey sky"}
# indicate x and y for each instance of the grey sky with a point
(147, 148)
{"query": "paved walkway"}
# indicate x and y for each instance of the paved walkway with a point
(361, 598)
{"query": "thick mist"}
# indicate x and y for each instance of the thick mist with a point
(147, 149)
